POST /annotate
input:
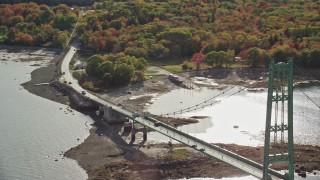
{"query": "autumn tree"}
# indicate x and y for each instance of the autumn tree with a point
(31, 24)
(25, 39)
(198, 59)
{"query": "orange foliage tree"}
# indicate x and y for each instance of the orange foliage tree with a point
(198, 59)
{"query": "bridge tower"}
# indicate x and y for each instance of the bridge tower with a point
(278, 145)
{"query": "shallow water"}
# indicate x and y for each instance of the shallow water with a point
(34, 131)
(239, 118)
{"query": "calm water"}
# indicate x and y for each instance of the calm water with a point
(247, 110)
(33, 131)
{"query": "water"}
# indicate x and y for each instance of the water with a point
(33, 131)
(239, 118)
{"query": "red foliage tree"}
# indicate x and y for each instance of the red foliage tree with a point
(198, 58)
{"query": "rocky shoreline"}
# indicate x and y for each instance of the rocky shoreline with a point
(106, 154)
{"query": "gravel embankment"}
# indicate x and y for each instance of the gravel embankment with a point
(47, 74)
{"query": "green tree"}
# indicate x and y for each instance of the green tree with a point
(11, 35)
(16, 19)
(181, 37)
(123, 73)
(223, 57)
(211, 58)
(283, 53)
(140, 64)
(93, 64)
(64, 21)
(158, 51)
(253, 56)
(208, 48)
(116, 24)
(3, 33)
(45, 17)
(104, 68)
(60, 38)
(315, 57)
(136, 52)
(304, 59)
(265, 58)
(217, 58)
(139, 76)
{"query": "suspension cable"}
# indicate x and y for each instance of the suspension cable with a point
(203, 104)
(304, 73)
(303, 91)
(199, 104)
(310, 99)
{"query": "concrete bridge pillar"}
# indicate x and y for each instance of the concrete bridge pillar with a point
(127, 127)
(144, 131)
(108, 113)
(111, 116)
(133, 134)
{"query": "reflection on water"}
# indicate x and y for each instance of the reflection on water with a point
(34, 131)
(239, 118)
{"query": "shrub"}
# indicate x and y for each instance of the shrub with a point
(185, 66)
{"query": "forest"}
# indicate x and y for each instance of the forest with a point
(52, 2)
(257, 31)
(211, 32)
(30, 24)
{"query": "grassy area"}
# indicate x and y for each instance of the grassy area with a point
(150, 73)
(173, 68)
(238, 65)
(178, 154)
(177, 68)
(168, 61)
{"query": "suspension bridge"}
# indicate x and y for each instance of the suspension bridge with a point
(280, 80)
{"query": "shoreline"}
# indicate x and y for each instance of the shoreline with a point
(109, 156)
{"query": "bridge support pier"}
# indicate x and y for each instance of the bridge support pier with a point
(133, 134)
(111, 116)
(144, 134)
(127, 127)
